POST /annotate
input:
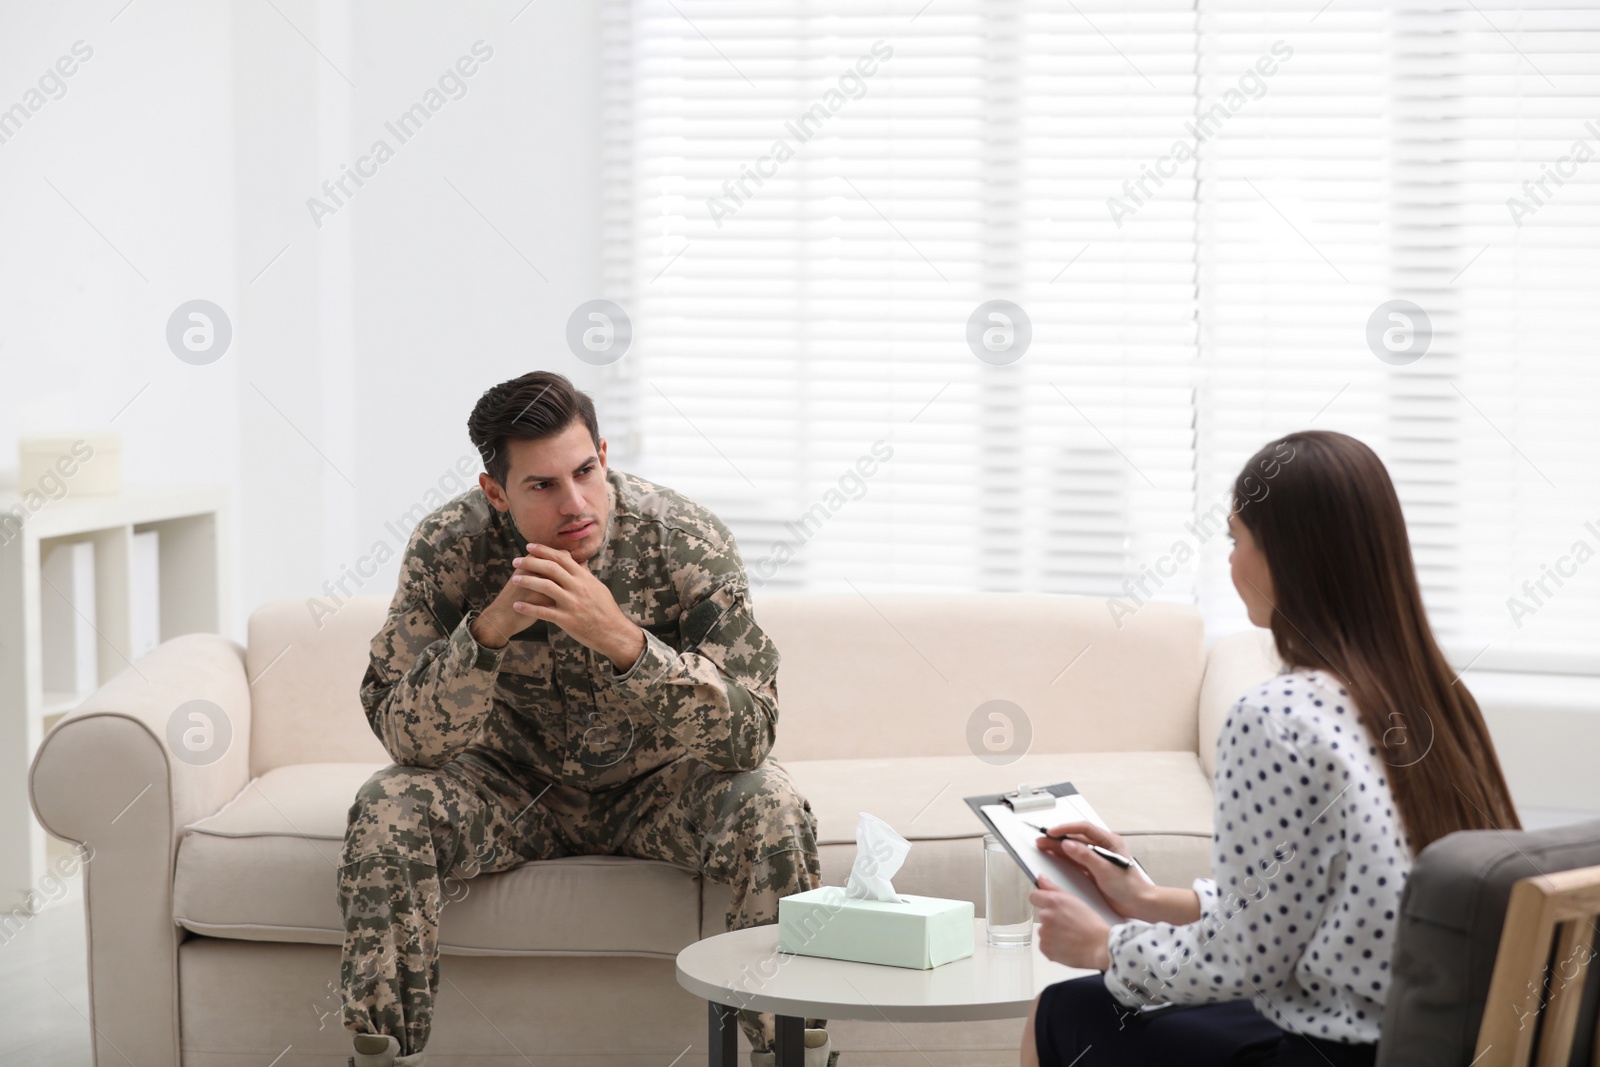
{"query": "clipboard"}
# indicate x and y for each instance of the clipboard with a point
(1011, 828)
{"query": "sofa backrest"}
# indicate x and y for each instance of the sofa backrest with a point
(894, 675)
(305, 683)
(914, 675)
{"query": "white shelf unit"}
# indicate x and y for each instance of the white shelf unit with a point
(191, 524)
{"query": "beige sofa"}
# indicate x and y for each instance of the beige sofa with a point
(213, 921)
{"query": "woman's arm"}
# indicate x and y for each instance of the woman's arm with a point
(1169, 904)
(1272, 797)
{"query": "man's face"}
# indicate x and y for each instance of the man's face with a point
(556, 491)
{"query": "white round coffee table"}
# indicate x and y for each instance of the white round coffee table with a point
(743, 969)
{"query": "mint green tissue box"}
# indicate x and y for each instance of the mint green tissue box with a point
(919, 932)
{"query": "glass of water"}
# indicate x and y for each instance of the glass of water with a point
(1008, 915)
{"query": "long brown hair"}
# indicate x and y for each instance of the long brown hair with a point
(1346, 599)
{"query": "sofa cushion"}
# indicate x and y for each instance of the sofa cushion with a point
(1159, 801)
(922, 797)
(264, 868)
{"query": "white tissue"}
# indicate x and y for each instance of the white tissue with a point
(879, 853)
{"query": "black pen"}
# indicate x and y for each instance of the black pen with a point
(1104, 853)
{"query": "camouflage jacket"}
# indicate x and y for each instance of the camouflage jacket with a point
(705, 684)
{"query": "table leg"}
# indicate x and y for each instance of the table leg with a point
(724, 1035)
(791, 1045)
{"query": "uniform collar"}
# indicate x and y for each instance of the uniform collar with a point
(600, 562)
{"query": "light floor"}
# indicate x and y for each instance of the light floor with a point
(44, 988)
(44, 993)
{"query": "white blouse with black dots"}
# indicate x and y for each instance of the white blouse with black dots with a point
(1310, 861)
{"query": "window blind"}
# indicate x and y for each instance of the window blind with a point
(810, 210)
(1384, 161)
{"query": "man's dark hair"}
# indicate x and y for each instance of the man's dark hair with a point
(537, 405)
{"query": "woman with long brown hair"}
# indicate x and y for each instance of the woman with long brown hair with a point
(1329, 779)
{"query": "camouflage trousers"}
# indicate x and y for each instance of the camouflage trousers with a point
(416, 834)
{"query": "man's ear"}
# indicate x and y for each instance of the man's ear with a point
(495, 494)
(602, 453)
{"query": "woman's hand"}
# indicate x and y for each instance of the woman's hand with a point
(1124, 889)
(1070, 933)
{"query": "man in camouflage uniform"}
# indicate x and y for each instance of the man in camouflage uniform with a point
(604, 691)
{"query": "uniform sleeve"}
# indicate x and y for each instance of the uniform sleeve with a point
(718, 697)
(1275, 818)
(429, 685)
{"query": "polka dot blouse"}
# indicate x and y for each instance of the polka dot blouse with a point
(1310, 858)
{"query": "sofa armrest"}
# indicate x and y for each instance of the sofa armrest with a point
(1234, 665)
(105, 776)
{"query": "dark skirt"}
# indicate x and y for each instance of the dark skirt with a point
(1080, 1024)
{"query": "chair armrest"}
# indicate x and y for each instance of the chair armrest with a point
(1234, 665)
(106, 777)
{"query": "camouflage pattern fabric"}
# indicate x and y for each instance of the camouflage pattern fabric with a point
(542, 749)
(705, 685)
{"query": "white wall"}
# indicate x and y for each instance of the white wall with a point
(437, 289)
(141, 144)
(192, 139)
(387, 318)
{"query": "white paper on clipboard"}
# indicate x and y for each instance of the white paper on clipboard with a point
(1021, 840)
